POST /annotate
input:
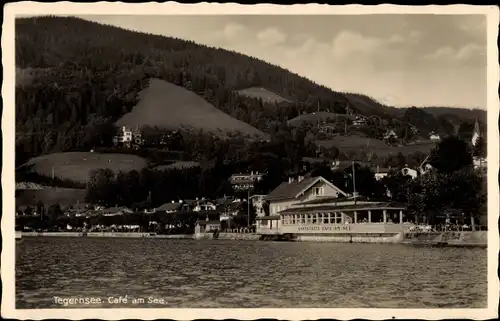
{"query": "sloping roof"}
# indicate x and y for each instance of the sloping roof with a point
(292, 190)
(117, 209)
(169, 207)
(208, 222)
(268, 218)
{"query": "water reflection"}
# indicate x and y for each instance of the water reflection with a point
(228, 274)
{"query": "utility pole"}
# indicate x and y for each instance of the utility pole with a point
(248, 207)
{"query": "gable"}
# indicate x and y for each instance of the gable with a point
(292, 190)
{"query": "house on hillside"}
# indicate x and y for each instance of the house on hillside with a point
(479, 162)
(128, 137)
(301, 190)
(407, 171)
(204, 205)
(113, 211)
(425, 166)
(242, 182)
(381, 172)
(434, 136)
(171, 207)
(360, 121)
(390, 134)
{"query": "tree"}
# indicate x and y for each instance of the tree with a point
(398, 186)
(451, 154)
(366, 184)
(54, 212)
(480, 149)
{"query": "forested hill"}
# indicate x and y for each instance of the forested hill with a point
(76, 77)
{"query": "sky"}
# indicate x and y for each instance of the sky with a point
(400, 60)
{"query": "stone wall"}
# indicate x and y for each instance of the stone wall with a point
(395, 238)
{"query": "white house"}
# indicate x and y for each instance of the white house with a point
(434, 136)
(406, 171)
(301, 190)
(241, 182)
(390, 134)
(381, 172)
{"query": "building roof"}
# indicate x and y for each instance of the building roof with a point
(344, 208)
(117, 209)
(291, 190)
(212, 222)
(169, 207)
(268, 218)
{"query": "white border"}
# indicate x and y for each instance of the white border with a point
(66, 8)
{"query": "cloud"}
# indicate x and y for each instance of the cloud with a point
(347, 43)
(412, 38)
(230, 33)
(469, 53)
(271, 37)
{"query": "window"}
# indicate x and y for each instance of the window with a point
(314, 219)
(325, 218)
(302, 219)
(318, 191)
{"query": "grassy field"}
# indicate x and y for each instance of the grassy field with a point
(177, 165)
(264, 94)
(318, 116)
(169, 106)
(76, 166)
(364, 144)
(50, 195)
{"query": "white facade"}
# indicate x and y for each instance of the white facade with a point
(435, 137)
(406, 171)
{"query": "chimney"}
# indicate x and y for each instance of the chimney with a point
(300, 178)
(290, 180)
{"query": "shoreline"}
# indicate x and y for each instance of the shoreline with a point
(474, 239)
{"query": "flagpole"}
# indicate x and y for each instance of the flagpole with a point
(354, 182)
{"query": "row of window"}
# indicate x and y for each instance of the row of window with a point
(316, 218)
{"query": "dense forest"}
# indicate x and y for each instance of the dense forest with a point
(76, 78)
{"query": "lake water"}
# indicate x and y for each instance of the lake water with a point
(247, 274)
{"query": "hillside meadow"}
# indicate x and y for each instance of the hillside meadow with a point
(349, 144)
(77, 166)
(267, 96)
(168, 106)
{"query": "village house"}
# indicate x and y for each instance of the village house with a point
(207, 226)
(360, 121)
(434, 136)
(407, 171)
(127, 136)
(204, 205)
(113, 211)
(242, 182)
(381, 172)
(300, 190)
(390, 134)
(171, 207)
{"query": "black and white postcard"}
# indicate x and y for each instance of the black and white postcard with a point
(232, 161)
